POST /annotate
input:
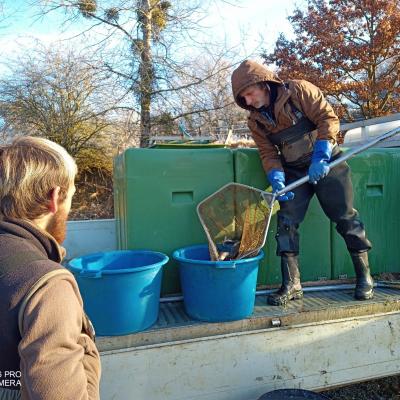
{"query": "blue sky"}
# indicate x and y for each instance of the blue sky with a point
(247, 25)
(260, 20)
(22, 20)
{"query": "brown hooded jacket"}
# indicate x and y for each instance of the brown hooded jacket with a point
(305, 96)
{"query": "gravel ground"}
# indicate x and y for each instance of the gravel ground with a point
(379, 389)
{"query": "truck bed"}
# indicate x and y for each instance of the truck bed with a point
(327, 339)
(319, 304)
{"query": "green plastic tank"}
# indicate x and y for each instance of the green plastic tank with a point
(156, 194)
(157, 191)
(376, 178)
(189, 145)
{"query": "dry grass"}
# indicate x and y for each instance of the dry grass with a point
(242, 143)
(93, 199)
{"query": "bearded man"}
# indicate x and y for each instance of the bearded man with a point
(46, 340)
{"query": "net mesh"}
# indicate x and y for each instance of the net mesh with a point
(235, 220)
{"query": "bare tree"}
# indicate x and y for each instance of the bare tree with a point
(148, 45)
(207, 106)
(56, 95)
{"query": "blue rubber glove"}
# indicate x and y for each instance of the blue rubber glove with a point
(277, 180)
(319, 167)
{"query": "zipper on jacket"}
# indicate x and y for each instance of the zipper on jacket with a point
(264, 112)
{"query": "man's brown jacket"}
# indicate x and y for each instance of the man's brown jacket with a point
(305, 96)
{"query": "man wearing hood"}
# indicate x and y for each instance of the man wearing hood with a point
(295, 130)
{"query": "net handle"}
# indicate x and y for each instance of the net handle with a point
(341, 159)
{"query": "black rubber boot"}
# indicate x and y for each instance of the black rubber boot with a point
(364, 282)
(291, 286)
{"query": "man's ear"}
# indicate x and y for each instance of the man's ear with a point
(54, 199)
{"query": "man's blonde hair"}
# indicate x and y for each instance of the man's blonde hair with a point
(30, 168)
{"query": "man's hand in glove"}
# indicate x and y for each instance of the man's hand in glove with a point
(277, 180)
(319, 167)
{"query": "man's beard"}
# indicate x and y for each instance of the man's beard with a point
(57, 226)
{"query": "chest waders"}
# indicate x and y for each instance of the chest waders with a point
(335, 194)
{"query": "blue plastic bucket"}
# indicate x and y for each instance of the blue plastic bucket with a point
(120, 289)
(216, 290)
